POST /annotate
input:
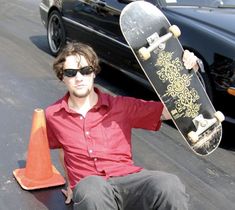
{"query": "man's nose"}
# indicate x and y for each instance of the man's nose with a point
(79, 76)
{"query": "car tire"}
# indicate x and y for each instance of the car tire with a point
(55, 33)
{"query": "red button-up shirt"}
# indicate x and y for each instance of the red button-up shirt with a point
(100, 143)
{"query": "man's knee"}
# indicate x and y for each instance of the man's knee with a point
(171, 183)
(169, 191)
(93, 192)
(89, 188)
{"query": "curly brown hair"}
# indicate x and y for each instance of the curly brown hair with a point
(76, 48)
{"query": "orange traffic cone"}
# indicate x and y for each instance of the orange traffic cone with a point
(39, 172)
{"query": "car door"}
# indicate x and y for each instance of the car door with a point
(82, 20)
(96, 22)
(119, 53)
(108, 12)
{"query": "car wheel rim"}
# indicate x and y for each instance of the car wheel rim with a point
(55, 34)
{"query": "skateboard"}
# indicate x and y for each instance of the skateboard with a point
(154, 42)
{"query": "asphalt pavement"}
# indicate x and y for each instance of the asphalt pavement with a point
(27, 82)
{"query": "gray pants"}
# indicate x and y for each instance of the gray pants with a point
(145, 190)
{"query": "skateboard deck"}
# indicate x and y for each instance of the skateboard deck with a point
(159, 53)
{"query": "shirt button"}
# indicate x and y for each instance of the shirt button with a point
(87, 133)
(81, 117)
(95, 159)
(90, 151)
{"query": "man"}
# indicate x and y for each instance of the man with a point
(93, 131)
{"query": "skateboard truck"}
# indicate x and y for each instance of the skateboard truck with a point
(155, 41)
(202, 124)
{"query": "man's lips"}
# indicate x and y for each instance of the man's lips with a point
(79, 86)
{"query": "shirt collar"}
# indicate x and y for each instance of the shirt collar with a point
(103, 99)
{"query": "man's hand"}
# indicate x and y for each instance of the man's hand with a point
(68, 194)
(190, 60)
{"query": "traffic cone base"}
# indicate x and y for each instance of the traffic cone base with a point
(29, 184)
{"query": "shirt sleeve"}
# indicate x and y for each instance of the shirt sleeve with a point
(52, 139)
(144, 114)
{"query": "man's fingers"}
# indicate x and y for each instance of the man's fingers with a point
(68, 194)
(189, 59)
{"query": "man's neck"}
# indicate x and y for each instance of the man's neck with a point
(83, 105)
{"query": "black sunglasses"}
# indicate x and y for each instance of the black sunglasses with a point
(83, 71)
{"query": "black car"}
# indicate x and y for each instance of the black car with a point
(207, 27)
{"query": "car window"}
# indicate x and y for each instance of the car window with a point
(200, 3)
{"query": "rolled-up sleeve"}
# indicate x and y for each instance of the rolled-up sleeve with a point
(144, 114)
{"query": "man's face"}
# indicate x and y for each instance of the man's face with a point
(79, 85)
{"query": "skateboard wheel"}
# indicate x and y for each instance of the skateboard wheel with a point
(144, 53)
(219, 116)
(193, 136)
(175, 31)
